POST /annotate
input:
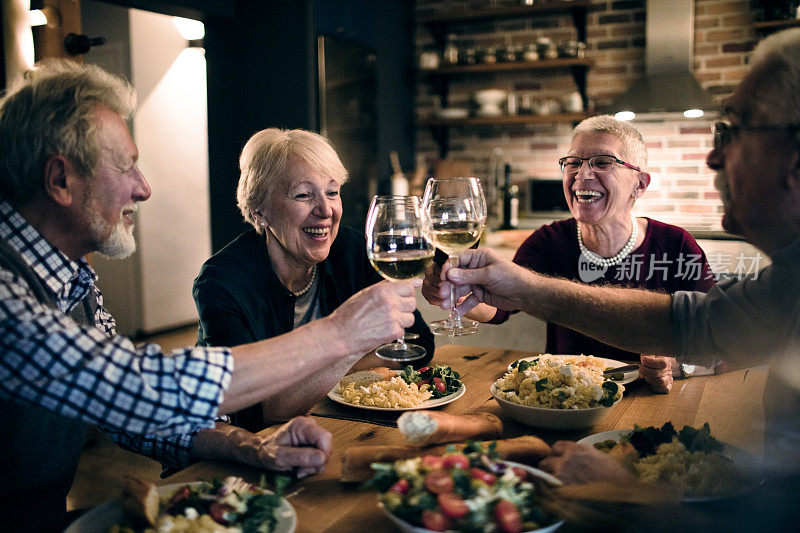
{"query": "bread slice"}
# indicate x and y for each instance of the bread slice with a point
(363, 378)
(140, 503)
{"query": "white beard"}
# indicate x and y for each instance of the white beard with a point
(119, 244)
(721, 184)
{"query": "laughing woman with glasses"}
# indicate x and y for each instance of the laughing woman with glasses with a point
(603, 176)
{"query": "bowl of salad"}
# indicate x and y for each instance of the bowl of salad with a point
(468, 490)
(555, 394)
(229, 505)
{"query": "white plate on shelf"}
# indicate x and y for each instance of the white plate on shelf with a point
(103, 517)
(628, 377)
(452, 113)
(427, 404)
(746, 462)
(407, 527)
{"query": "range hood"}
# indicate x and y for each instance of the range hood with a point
(668, 85)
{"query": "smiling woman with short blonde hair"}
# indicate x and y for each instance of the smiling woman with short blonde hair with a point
(295, 266)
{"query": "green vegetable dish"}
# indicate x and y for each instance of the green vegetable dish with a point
(461, 491)
(232, 505)
(441, 379)
(690, 459)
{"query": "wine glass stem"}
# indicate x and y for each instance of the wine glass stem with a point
(400, 344)
(455, 318)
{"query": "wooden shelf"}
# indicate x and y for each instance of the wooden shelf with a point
(773, 25)
(543, 64)
(563, 118)
(496, 13)
(438, 25)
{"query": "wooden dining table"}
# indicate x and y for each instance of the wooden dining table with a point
(730, 403)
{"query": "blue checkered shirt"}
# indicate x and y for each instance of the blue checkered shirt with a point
(147, 401)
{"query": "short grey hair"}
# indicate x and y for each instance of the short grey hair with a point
(51, 111)
(777, 93)
(265, 161)
(634, 150)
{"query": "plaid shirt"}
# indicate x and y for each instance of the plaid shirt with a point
(147, 401)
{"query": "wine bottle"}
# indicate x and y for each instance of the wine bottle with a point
(510, 193)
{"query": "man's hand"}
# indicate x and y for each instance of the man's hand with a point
(658, 371)
(577, 463)
(484, 277)
(300, 444)
(375, 315)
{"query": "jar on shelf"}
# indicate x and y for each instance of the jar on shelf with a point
(450, 52)
(509, 54)
(487, 55)
(546, 48)
(530, 53)
(572, 49)
(468, 56)
(428, 60)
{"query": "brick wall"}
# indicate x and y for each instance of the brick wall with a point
(682, 191)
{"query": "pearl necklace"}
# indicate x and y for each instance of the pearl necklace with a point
(599, 260)
(305, 289)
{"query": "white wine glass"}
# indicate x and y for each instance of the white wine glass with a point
(398, 249)
(454, 214)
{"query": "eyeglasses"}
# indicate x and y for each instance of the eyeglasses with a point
(599, 163)
(724, 131)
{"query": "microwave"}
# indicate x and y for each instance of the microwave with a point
(546, 195)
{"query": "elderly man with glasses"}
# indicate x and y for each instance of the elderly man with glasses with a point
(745, 322)
(604, 244)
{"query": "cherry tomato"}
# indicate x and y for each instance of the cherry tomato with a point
(507, 517)
(482, 475)
(433, 462)
(455, 460)
(452, 506)
(401, 487)
(424, 369)
(180, 494)
(217, 512)
(521, 473)
(439, 385)
(434, 520)
(438, 481)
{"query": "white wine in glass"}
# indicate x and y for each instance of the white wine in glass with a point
(398, 250)
(454, 211)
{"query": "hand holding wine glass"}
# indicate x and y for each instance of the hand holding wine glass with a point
(454, 212)
(397, 248)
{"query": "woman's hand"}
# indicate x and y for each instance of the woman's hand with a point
(374, 315)
(658, 371)
(577, 463)
(432, 285)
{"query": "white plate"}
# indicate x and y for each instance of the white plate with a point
(452, 113)
(628, 377)
(427, 404)
(101, 518)
(744, 460)
(407, 527)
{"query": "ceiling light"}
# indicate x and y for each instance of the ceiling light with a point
(45, 16)
(191, 30)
